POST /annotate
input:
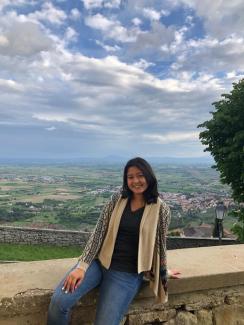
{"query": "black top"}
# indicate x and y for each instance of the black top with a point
(125, 252)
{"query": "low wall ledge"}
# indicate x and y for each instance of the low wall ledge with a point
(37, 236)
(212, 278)
(42, 229)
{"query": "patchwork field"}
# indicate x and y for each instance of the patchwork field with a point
(72, 196)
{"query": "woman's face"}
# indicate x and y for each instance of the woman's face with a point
(136, 181)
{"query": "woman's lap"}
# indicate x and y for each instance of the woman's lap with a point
(62, 302)
(117, 290)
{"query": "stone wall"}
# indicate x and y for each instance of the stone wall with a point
(35, 236)
(221, 306)
(209, 292)
(207, 307)
(190, 242)
(20, 235)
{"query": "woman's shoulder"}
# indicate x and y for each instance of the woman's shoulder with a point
(164, 207)
(164, 214)
(116, 196)
(162, 202)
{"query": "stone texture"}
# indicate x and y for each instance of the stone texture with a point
(229, 314)
(34, 236)
(234, 298)
(204, 317)
(170, 322)
(23, 235)
(185, 318)
(151, 317)
(26, 290)
(34, 319)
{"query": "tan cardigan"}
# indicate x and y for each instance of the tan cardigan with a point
(152, 240)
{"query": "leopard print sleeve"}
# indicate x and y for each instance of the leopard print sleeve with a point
(162, 229)
(95, 241)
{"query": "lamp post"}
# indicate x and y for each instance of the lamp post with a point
(219, 215)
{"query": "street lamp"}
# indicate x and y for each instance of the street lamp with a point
(219, 216)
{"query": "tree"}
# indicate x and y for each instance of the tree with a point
(238, 227)
(224, 138)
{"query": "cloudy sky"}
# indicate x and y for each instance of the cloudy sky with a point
(114, 77)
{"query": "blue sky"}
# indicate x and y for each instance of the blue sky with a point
(91, 78)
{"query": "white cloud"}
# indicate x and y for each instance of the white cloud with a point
(51, 128)
(80, 122)
(5, 3)
(214, 55)
(136, 21)
(143, 64)
(10, 85)
(51, 84)
(3, 41)
(109, 98)
(50, 14)
(151, 14)
(91, 4)
(108, 48)
(111, 28)
(75, 14)
(70, 34)
(112, 3)
(50, 117)
(220, 17)
(100, 22)
(234, 75)
(29, 40)
(172, 137)
(149, 43)
(165, 12)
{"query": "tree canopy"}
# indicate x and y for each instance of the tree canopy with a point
(224, 138)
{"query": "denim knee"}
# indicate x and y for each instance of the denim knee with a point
(59, 302)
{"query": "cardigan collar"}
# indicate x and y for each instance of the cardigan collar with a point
(147, 235)
(148, 255)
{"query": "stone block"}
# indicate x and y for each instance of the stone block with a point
(150, 317)
(228, 314)
(204, 317)
(33, 319)
(170, 322)
(234, 299)
(185, 318)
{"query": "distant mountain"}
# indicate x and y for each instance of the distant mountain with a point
(111, 159)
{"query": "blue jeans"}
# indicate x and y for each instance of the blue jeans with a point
(116, 291)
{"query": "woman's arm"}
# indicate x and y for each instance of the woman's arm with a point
(164, 220)
(96, 239)
(75, 277)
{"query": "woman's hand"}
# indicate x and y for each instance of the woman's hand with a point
(73, 280)
(173, 274)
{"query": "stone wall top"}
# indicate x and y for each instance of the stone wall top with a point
(3, 227)
(201, 268)
(210, 276)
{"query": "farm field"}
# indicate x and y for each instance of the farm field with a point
(72, 196)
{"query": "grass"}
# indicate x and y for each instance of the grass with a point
(15, 252)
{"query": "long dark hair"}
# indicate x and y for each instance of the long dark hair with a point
(151, 193)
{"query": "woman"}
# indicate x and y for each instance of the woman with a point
(129, 243)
